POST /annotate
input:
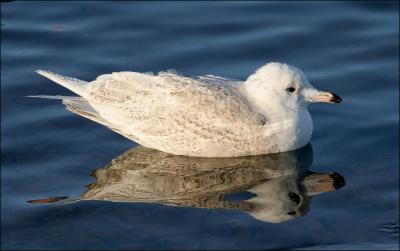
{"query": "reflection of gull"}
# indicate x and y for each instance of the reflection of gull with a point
(282, 191)
(206, 116)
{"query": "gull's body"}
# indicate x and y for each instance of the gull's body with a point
(205, 116)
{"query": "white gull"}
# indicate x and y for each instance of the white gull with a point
(204, 116)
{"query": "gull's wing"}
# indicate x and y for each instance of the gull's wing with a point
(212, 79)
(175, 107)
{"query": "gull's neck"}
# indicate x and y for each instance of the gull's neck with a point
(268, 106)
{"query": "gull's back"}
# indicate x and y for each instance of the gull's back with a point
(206, 116)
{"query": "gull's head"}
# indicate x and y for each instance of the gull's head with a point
(281, 84)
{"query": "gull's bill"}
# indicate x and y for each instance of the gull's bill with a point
(314, 96)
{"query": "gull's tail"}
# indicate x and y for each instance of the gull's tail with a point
(72, 84)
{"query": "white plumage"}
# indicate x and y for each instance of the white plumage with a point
(205, 116)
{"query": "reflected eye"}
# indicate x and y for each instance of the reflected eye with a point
(291, 89)
(294, 197)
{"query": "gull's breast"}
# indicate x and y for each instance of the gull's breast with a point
(304, 129)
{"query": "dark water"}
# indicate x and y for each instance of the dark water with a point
(346, 47)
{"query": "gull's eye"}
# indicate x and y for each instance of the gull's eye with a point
(291, 89)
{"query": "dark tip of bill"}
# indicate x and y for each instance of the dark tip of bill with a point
(338, 180)
(336, 99)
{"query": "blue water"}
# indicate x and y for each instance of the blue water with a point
(350, 48)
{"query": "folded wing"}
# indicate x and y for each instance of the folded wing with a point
(170, 107)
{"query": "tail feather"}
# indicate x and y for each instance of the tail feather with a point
(73, 84)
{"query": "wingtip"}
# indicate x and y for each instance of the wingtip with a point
(46, 74)
(46, 96)
(38, 96)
